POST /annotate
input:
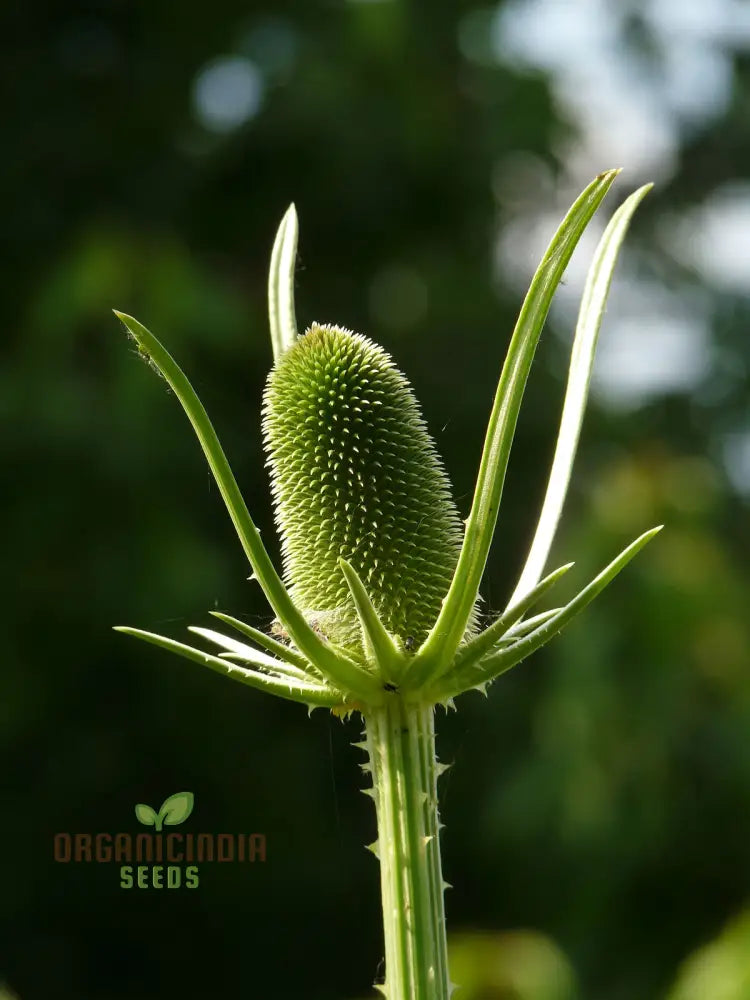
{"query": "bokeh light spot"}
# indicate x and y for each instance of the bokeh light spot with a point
(227, 93)
(714, 238)
(737, 460)
(641, 358)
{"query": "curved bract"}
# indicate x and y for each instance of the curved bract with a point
(355, 475)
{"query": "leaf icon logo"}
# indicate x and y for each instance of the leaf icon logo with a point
(145, 814)
(174, 810)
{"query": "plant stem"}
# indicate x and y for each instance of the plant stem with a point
(400, 739)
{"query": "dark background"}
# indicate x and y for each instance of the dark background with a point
(598, 813)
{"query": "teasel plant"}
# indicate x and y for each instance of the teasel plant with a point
(377, 608)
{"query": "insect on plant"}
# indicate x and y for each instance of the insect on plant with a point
(373, 542)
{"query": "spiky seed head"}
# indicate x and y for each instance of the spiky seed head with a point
(354, 473)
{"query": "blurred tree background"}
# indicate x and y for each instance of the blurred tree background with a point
(598, 810)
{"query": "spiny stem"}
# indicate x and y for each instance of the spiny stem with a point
(400, 739)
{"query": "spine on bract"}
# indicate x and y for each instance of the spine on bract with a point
(356, 474)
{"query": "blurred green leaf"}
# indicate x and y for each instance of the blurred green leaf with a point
(513, 965)
(720, 969)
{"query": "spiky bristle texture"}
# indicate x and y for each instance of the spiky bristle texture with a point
(355, 474)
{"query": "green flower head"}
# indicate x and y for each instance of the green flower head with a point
(356, 475)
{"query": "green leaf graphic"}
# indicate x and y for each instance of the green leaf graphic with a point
(176, 809)
(145, 814)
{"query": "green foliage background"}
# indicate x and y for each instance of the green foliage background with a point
(599, 808)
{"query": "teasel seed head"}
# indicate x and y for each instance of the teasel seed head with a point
(355, 474)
